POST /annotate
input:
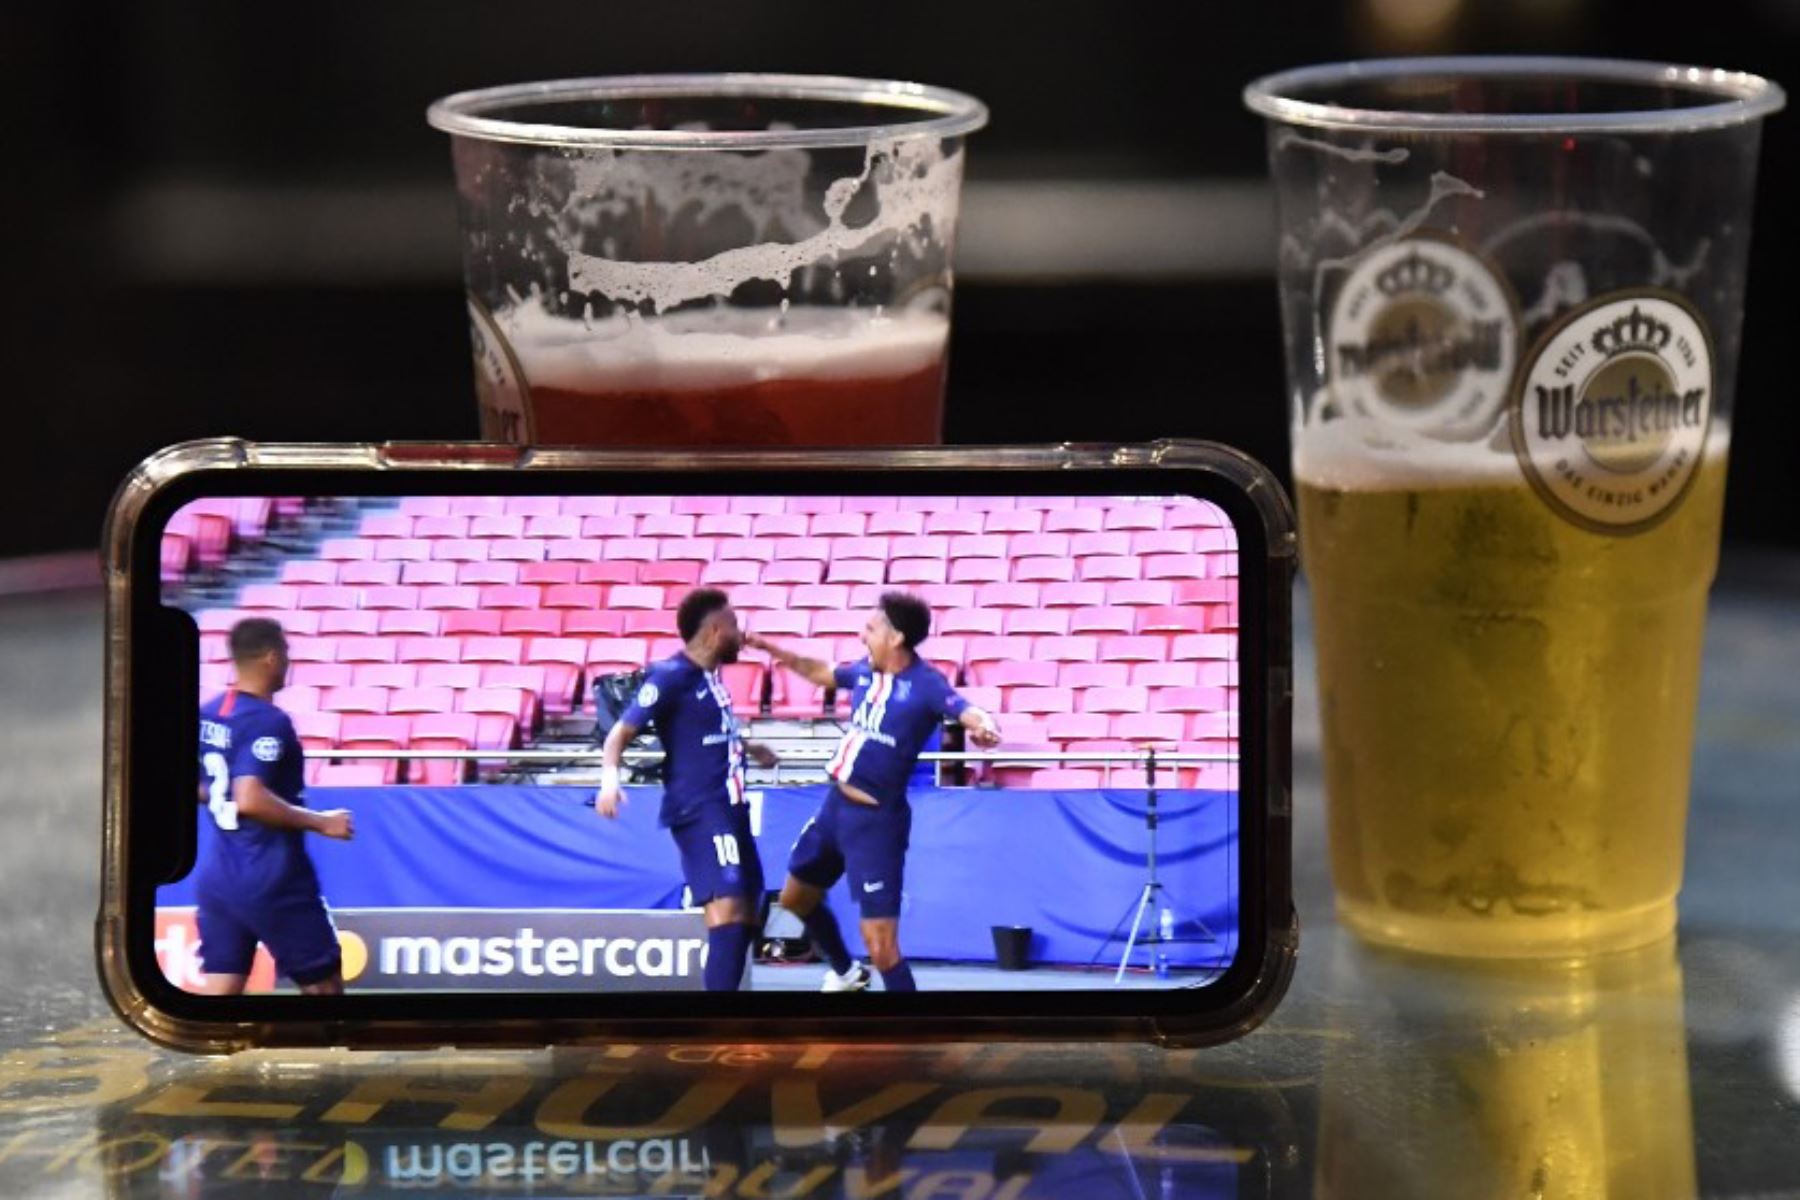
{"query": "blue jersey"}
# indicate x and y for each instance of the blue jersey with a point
(891, 719)
(242, 736)
(703, 759)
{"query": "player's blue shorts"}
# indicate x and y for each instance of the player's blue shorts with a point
(718, 854)
(292, 923)
(866, 843)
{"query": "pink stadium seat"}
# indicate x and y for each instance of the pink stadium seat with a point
(723, 525)
(794, 571)
(357, 774)
(623, 549)
(754, 596)
(317, 731)
(754, 505)
(384, 674)
(1194, 516)
(613, 655)
(1012, 520)
(1134, 648)
(315, 596)
(1126, 699)
(819, 595)
(1222, 564)
(750, 549)
(217, 620)
(562, 660)
(1217, 674)
(1052, 622)
(590, 506)
(678, 574)
(870, 549)
(442, 731)
(778, 622)
(456, 676)
(299, 698)
(646, 504)
(1037, 569)
(386, 525)
(505, 557)
(367, 649)
(493, 649)
(309, 571)
(422, 700)
(268, 597)
(847, 650)
(895, 523)
(923, 546)
(792, 696)
(941, 596)
(779, 525)
(608, 573)
(838, 622)
(1135, 516)
(552, 528)
(1213, 726)
(744, 681)
(1012, 673)
(347, 549)
(177, 556)
(645, 622)
(382, 596)
(463, 622)
(1160, 728)
(1074, 648)
(1080, 675)
(1189, 646)
(1088, 518)
(968, 621)
(1065, 778)
(427, 574)
(1141, 592)
(579, 622)
(477, 506)
(730, 573)
(435, 528)
(838, 524)
(871, 504)
(1191, 619)
(815, 504)
(978, 545)
(928, 504)
(918, 570)
(425, 506)
(1205, 591)
(1193, 700)
(502, 526)
(403, 550)
(215, 677)
(288, 507)
(532, 506)
(702, 506)
(954, 522)
(984, 504)
(550, 574)
(450, 597)
(308, 648)
(947, 654)
(685, 550)
(533, 677)
(304, 623)
(1165, 674)
(864, 596)
(979, 570)
(856, 571)
(1102, 620)
(995, 649)
(353, 700)
(1007, 595)
(532, 622)
(430, 649)
(627, 595)
(988, 699)
(1040, 700)
(1038, 545)
(1162, 541)
(610, 526)
(516, 596)
(1174, 566)
(1069, 726)
(511, 702)
(1108, 566)
(359, 622)
(321, 674)
(369, 574)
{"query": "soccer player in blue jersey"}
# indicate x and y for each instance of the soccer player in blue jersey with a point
(703, 802)
(862, 828)
(256, 883)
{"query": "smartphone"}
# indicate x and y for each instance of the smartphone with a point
(478, 745)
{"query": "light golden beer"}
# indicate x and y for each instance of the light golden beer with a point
(1508, 705)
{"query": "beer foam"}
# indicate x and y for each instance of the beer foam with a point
(1364, 454)
(915, 192)
(721, 348)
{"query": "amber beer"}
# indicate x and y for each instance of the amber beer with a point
(725, 377)
(1508, 702)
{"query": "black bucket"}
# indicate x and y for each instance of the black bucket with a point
(1012, 946)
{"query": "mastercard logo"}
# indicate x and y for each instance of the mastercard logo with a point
(355, 953)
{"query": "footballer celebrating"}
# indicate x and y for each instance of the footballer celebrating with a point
(256, 882)
(703, 802)
(863, 827)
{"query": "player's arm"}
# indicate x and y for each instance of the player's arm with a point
(611, 795)
(257, 803)
(760, 754)
(813, 670)
(983, 730)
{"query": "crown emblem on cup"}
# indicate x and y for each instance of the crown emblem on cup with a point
(1415, 274)
(1633, 331)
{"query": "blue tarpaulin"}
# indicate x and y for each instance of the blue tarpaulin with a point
(1067, 864)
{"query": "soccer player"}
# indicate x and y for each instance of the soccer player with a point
(703, 803)
(863, 826)
(256, 883)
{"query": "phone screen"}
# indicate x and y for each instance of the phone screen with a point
(612, 743)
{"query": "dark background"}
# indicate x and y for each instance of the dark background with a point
(231, 218)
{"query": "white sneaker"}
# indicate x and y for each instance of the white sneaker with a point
(856, 979)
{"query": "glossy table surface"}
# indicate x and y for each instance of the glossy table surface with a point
(1669, 1072)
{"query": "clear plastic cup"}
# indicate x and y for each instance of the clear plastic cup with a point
(709, 259)
(1512, 292)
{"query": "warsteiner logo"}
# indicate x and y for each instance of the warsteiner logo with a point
(1609, 418)
(1423, 334)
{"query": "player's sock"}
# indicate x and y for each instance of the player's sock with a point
(898, 978)
(822, 928)
(726, 948)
